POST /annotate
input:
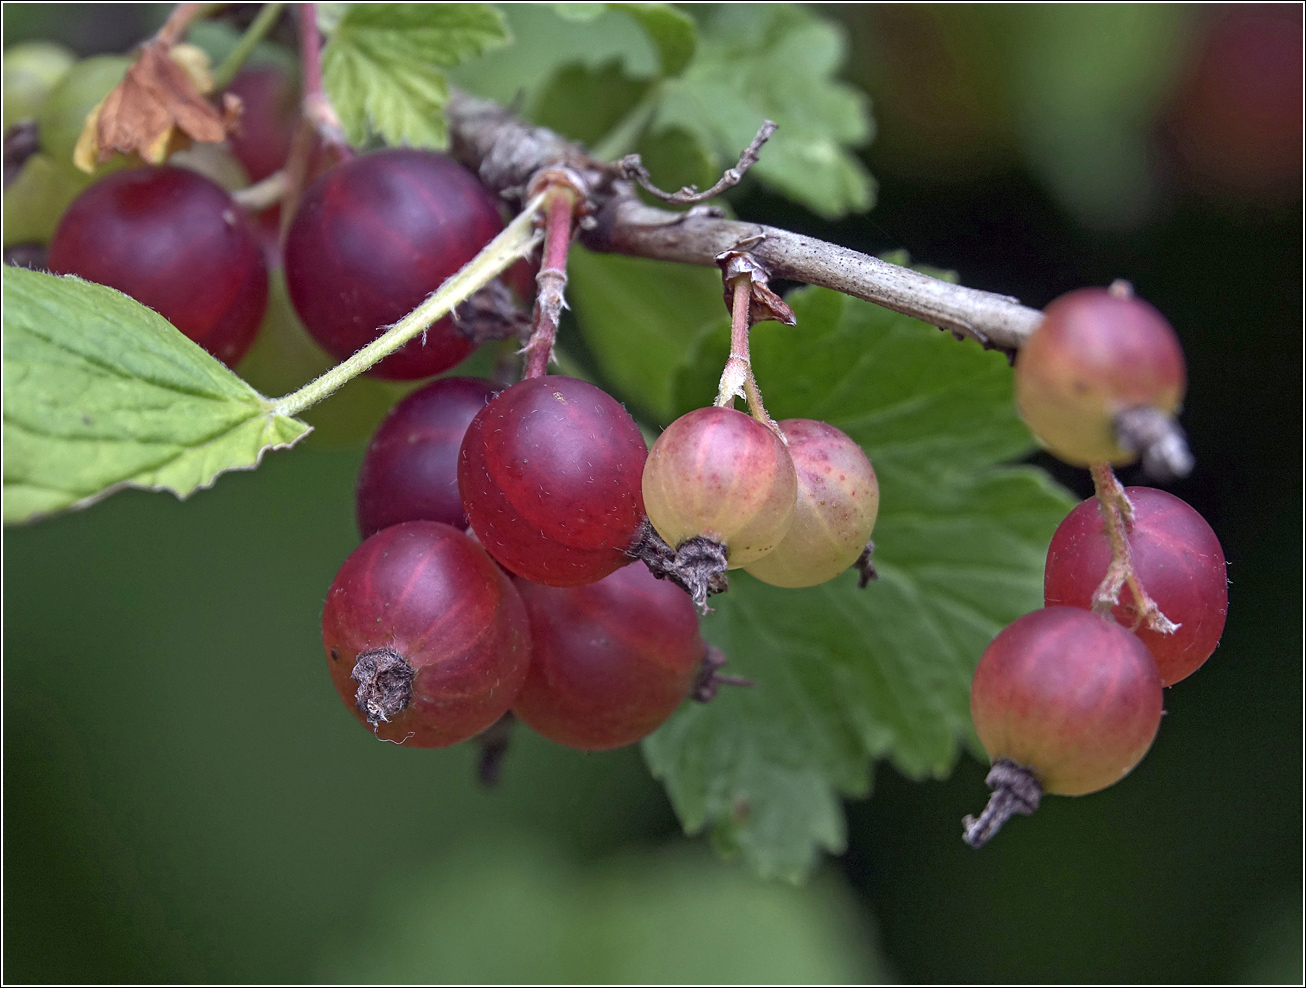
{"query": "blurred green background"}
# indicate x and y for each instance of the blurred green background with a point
(184, 799)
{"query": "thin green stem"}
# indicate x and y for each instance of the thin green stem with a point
(255, 33)
(517, 240)
(181, 18)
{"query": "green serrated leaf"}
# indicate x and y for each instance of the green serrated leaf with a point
(101, 393)
(584, 103)
(844, 676)
(381, 67)
(579, 11)
(646, 40)
(670, 30)
(777, 62)
(674, 33)
(329, 16)
(639, 317)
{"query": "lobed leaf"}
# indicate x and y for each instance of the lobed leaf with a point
(101, 393)
(554, 37)
(381, 67)
(673, 32)
(844, 676)
(586, 103)
(777, 62)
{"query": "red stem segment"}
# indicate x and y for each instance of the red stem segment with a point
(310, 48)
(317, 107)
(552, 280)
(317, 119)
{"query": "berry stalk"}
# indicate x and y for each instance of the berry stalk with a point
(317, 118)
(560, 205)
(1118, 513)
(737, 375)
(255, 33)
(180, 20)
(517, 240)
(263, 194)
(750, 301)
(317, 107)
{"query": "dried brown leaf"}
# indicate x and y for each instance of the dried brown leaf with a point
(155, 109)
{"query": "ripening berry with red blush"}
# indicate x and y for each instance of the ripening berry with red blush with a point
(718, 474)
(1071, 696)
(410, 469)
(1178, 561)
(1097, 353)
(838, 499)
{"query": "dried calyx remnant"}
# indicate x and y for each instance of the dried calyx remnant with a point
(1015, 790)
(385, 684)
(1158, 438)
(865, 567)
(697, 566)
(710, 679)
(492, 314)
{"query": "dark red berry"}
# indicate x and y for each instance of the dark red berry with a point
(372, 238)
(549, 474)
(410, 470)
(270, 100)
(610, 660)
(1176, 557)
(1236, 120)
(175, 241)
(427, 640)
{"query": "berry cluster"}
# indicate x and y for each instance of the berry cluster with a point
(431, 638)
(792, 503)
(550, 478)
(430, 641)
(1068, 699)
(500, 524)
(172, 237)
